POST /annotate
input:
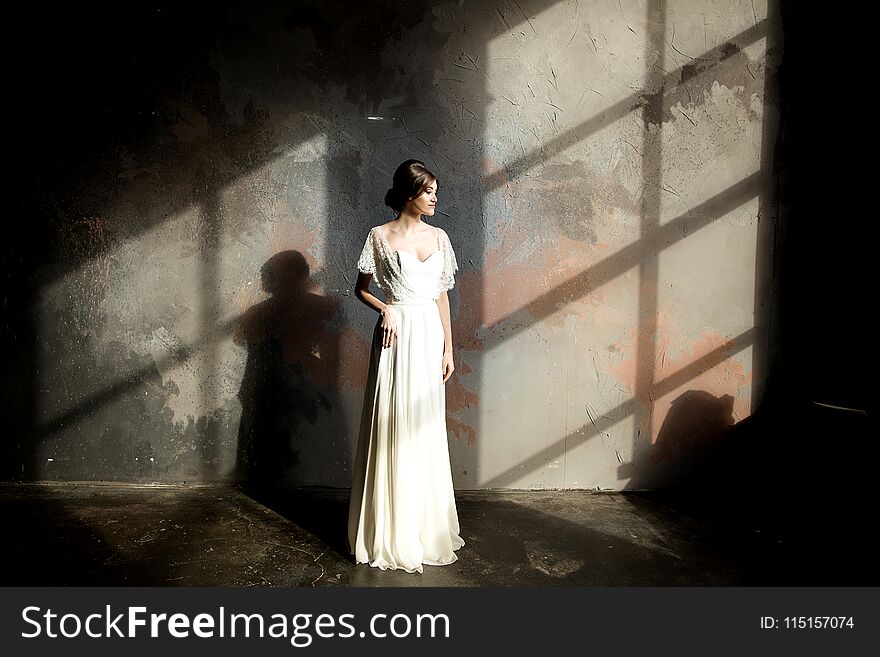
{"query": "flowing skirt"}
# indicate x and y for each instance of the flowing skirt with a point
(402, 512)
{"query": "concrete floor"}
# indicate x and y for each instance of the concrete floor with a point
(107, 534)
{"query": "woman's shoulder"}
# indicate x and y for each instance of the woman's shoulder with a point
(381, 229)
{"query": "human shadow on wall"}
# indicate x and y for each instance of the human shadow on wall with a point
(768, 476)
(290, 362)
(690, 443)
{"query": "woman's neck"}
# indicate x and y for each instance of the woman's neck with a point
(407, 223)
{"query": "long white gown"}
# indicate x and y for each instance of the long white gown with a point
(402, 511)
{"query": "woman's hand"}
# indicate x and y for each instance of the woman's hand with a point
(389, 327)
(448, 366)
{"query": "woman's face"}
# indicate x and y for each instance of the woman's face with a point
(425, 202)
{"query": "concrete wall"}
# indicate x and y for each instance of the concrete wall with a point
(208, 178)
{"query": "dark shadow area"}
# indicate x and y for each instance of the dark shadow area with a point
(803, 465)
(289, 352)
(826, 250)
(695, 423)
(139, 121)
(68, 535)
(795, 481)
(322, 513)
(798, 471)
(90, 109)
(509, 543)
(44, 545)
(93, 535)
(564, 545)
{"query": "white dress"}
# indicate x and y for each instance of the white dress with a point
(402, 512)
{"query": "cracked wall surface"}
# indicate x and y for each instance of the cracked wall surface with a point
(605, 175)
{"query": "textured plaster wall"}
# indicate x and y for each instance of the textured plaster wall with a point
(606, 179)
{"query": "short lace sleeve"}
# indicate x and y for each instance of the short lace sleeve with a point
(450, 264)
(366, 264)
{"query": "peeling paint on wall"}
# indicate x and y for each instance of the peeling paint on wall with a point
(198, 322)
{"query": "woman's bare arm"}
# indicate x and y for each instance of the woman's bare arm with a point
(443, 303)
(389, 322)
(362, 292)
(448, 364)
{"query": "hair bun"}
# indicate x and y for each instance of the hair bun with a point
(392, 200)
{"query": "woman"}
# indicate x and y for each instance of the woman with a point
(402, 512)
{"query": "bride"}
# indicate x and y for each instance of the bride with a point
(402, 511)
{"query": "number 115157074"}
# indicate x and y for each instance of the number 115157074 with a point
(807, 623)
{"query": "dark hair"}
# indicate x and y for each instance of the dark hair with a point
(410, 179)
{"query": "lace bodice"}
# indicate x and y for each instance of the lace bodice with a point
(401, 275)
